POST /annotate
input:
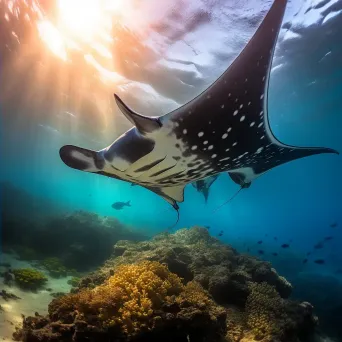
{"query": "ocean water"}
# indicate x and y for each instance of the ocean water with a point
(59, 68)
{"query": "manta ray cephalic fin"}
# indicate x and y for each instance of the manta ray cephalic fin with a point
(144, 124)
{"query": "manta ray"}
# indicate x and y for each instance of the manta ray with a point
(203, 185)
(224, 129)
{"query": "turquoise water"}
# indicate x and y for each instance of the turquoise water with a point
(47, 103)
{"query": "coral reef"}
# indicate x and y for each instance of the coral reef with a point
(72, 237)
(74, 281)
(194, 255)
(29, 278)
(140, 302)
(55, 267)
(265, 311)
(138, 295)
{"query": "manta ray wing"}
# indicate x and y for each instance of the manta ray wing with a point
(227, 125)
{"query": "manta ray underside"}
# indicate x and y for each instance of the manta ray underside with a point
(224, 129)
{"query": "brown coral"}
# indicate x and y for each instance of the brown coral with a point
(264, 308)
(236, 325)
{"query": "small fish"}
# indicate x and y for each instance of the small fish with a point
(308, 253)
(275, 238)
(121, 205)
(305, 261)
(319, 261)
(266, 235)
(275, 254)
(133, 184)
(248, 249)
(285, 245)
(319, 245)
(328, 238)
(333, 225)
(260, 251)
(339, 271)
(207, 227)
(260, 242)
(220, 233)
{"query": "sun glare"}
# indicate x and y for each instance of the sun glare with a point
(83, 24)
(69, 46)
(81, 19)
(52, 38)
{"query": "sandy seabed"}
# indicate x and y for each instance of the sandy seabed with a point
(30, 302)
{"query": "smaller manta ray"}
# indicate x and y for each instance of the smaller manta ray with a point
(204, 185)
(224, 129)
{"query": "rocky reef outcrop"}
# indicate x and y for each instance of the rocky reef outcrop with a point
(69, 237)
(219, 295)
(194, 255)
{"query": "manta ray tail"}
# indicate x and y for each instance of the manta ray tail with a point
(177, 210)
(230, 199)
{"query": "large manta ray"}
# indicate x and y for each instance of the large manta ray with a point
(224, 129)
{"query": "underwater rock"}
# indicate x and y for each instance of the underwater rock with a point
(325, 293)
(7, 295)
(8, 277)
(57, 294)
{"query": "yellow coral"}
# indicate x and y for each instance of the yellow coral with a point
(236, 325)
(194, 295)
(265, 310)
(127, 299)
